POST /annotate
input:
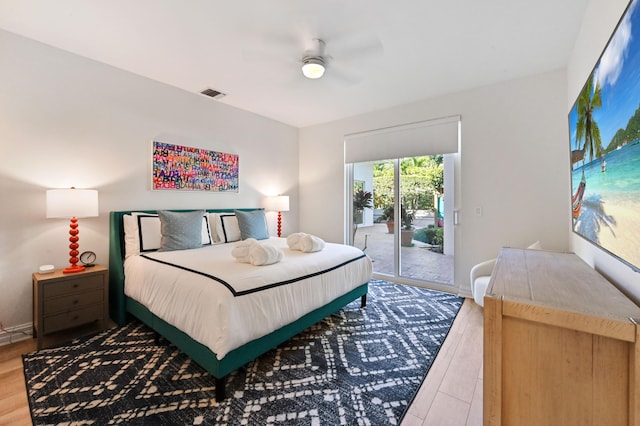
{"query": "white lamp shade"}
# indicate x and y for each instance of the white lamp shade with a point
(279, 203)
(68, 203)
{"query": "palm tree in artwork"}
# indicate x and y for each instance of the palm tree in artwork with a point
(587, 129)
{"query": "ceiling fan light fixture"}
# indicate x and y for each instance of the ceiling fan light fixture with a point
(313, 68)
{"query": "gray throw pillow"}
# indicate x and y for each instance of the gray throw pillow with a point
(180, 230)
(252, 224)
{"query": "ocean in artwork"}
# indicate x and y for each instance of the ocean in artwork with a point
(610, 213)
(620, 175)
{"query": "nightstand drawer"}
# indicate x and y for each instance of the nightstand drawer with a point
(72, 301)
(81, 283)
(71, 319)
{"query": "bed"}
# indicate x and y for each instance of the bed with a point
(220, 293)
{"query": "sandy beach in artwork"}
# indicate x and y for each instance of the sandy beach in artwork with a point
(614, 223)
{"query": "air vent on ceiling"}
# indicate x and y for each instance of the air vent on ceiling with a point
(213, 93)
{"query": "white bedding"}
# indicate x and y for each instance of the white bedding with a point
(252, 304)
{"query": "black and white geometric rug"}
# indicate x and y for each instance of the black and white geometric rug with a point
(359, 366)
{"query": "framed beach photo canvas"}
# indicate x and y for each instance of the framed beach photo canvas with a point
(184, 168)
(604, 132)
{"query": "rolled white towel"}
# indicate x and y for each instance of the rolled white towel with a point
(241, 250)
(311, 243)
(293, 240)
(305, 242)
(260, 255)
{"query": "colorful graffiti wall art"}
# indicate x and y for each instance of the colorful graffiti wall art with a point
(184, 168)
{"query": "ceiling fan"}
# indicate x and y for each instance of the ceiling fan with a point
(313, 61)
(342, 57)
(351, 57)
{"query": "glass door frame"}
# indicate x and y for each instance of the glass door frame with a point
(396, 277)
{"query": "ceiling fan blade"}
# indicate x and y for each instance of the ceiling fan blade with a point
(344, 75)
(355, 44)
(350, 57)
(272, 47)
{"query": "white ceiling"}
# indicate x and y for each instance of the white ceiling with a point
(385, 53)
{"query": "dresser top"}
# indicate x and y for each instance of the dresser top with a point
(559, 281)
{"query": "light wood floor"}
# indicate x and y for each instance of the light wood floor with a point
(450, 396)
(14, 408)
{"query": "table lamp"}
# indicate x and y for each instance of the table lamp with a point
(278, 203)
(72, 203)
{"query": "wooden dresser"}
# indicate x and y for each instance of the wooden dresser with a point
(69, 305)
(560, 344)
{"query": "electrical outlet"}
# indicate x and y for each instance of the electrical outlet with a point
(478, 211)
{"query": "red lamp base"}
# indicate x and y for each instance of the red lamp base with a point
(279, 224)
(73, 268)
(73, 248)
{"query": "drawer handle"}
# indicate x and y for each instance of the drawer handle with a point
(75, 318)
(75, 302)
(76, 285)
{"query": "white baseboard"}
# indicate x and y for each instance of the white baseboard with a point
(464, 292)
(16, 334)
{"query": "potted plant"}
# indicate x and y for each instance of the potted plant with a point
(406, 234)
(361, 200)
(388, 217)
(407, 222)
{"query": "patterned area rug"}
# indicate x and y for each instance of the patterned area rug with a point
(358, 366)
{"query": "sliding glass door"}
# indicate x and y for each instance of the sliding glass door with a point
(401, 184)
(405, 233)
(377, 235)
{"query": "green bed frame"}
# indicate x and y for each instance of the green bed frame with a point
(121, 307)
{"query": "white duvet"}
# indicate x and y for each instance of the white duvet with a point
(243, 302)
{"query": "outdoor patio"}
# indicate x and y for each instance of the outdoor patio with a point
(417, 262)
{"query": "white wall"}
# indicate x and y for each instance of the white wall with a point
(513, 163)
(600, 20)
(69, 121)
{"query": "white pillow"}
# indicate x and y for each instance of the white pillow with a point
(139, 227)
(212, 226)
(142, 232)
(227, 229)
(207, 239)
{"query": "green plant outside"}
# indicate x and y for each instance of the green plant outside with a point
(420, 178)
(432, 236)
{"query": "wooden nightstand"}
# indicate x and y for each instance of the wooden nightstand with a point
(69, 305)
